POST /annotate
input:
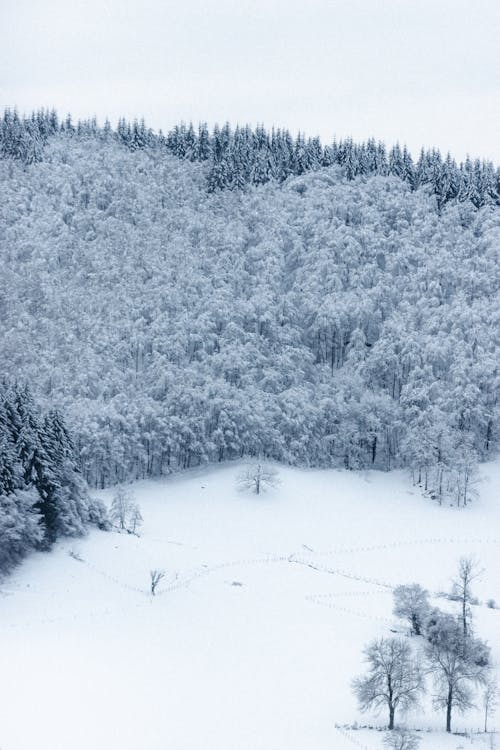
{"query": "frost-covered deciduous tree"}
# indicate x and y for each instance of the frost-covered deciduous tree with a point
(123, 508)
(394, 680)
(457, 662)
(120, 507)
(125, 512)
(258, 477)
(411, 603)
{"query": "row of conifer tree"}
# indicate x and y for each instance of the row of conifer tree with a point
(240, 156)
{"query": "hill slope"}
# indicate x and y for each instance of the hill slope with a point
(323, 321)
(258, 627)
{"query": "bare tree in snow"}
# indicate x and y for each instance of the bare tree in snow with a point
(393, 681)
(156, 576)
(411, 602)
(490, 700)
(468, 571)
(258, 477)
(135, 520)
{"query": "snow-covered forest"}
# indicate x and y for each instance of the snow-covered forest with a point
(193, 297)
(42, 493)
(169, 301)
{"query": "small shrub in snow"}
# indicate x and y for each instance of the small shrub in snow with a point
(401, 739)
(98, 514)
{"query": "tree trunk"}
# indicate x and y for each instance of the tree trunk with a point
(448, 709)
(391, 717)
(415, 622)
(489, 430)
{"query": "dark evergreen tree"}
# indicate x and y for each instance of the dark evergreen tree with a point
(42, 493)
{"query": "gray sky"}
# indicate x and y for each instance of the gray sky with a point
(424, 72)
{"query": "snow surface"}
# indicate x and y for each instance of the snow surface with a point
(258, 627)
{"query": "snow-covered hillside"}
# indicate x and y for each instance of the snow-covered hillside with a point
(258, 627)
(321, 321)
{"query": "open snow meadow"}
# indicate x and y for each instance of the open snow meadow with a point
(257, 629)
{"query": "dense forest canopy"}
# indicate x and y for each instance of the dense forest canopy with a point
(199, 296)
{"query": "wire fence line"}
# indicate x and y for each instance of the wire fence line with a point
(325, 600)
(407, 543)
(348, 731)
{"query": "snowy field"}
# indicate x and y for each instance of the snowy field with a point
(258, 627)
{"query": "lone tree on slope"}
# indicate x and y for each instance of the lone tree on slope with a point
(258, 477)
(394, 679)
(125, 513)
(135, 519)
(156, 576)
(121, 507)
(411, 603)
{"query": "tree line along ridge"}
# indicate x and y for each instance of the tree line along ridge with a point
(243, 156)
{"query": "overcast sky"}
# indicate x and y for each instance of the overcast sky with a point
(424, 72)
